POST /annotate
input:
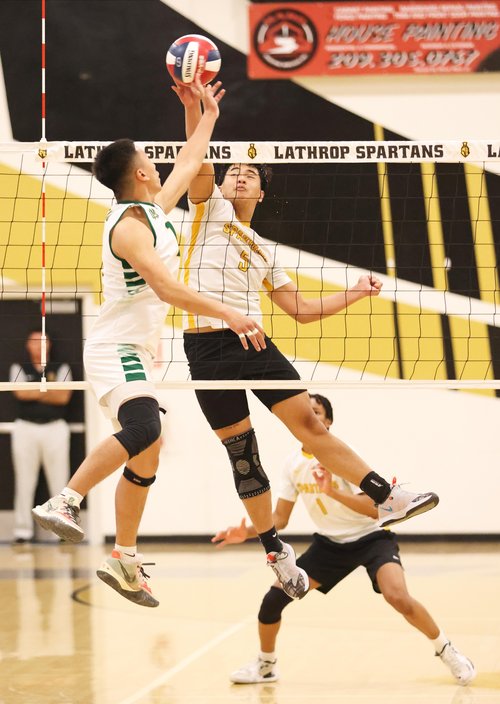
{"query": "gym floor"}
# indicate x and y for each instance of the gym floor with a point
(67, 638)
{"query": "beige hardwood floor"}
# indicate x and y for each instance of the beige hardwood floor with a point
(66, 638)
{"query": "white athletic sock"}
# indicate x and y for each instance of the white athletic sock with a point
(440, 642)
(73, 494)
(128, 552)
(268, 657)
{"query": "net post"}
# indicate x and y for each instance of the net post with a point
(43, 151)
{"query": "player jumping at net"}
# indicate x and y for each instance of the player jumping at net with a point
(139, 283)
(225, 259)
(348, 537)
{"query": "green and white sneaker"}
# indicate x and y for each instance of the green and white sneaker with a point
(61, 515)
(128, 579)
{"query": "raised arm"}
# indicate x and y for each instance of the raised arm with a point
(133, 242)
(202, 185)
(190, 157)
(308, 310)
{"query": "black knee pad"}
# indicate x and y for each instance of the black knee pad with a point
(273, 604)
(141, 426)
(249, 477)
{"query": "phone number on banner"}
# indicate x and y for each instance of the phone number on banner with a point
(402, 59)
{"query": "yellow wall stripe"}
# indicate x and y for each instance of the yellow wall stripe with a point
(470, 341)
(472, 352)
(385, 209)
(421, 343)
(482, 232)
(437, 250)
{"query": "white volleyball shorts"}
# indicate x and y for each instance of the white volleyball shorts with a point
(118, 373)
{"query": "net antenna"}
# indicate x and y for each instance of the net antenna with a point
(42, 152)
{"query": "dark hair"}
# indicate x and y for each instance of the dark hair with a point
(323, 401)
(112, 164)
(38, 328)
(264, 170)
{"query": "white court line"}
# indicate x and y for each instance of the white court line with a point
(187, 661)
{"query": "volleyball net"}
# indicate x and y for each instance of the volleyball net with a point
(422, 216)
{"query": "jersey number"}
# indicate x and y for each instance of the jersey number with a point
(243, 265)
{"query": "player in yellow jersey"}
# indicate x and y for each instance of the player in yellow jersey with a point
(347, 537)
(226, 260)
(139, 283)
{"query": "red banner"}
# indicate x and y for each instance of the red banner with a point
(339, 38)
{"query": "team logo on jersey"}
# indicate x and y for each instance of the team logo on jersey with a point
(285, 39)
(465, 150)
(153, 213)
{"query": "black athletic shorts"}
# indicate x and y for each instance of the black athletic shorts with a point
(328, 562)
(220, 355)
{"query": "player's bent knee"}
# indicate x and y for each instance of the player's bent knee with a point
(249, 477)
(399, 601)
(272, 605)
(141, 425)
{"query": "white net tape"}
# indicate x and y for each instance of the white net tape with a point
(310, 152)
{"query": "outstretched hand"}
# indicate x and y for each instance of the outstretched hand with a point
(209, 95)
(186, 94)
(231, 536)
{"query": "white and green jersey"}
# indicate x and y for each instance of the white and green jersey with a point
(227, 261)
(132, 313)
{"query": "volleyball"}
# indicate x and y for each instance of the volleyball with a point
(190, 53)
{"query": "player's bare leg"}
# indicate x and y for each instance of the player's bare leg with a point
(392, 583)
(259, 508)
(123, 570)
(395, 504)
(242, 448)
(60, 514)
(264, 667)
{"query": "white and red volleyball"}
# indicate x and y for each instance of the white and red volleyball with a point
(190, 53)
